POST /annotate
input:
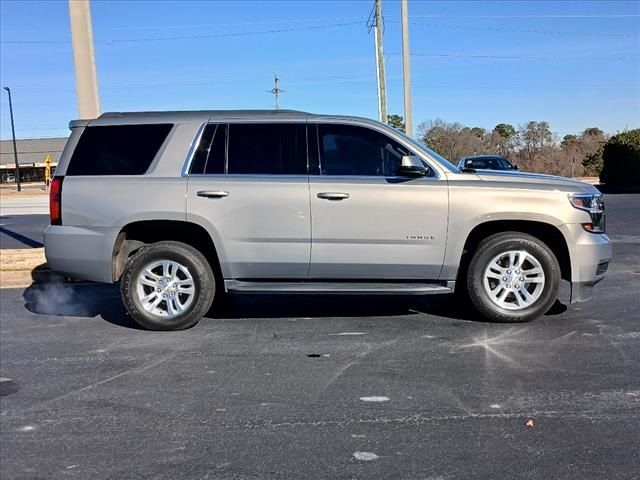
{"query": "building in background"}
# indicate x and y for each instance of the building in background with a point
(31, 155)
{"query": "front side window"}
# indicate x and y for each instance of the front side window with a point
(267, 148)
(355, 150)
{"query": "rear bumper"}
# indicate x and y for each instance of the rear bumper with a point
(84, 253)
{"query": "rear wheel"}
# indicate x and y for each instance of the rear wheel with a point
(513, 277)
(167, 286)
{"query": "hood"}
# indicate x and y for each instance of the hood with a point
(535, 180)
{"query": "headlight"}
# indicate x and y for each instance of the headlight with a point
(594, 204)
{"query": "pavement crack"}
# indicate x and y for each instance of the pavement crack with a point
(423, 419)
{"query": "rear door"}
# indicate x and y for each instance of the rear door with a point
(367, 223)
(248, 182)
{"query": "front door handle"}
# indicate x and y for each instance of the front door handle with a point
(333, 195)
(212, 193)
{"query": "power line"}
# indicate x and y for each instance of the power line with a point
(559, 16)
(182, 37)
(212, 25)
(513, 57)
(520, 30)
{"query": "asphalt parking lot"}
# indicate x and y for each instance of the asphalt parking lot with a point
(325, 387)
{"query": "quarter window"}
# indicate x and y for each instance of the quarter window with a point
(117, 149)
(354, 150)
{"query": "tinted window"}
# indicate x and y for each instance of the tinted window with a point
(209, 157)
(276, 149)
(117, 150)
(352, 150)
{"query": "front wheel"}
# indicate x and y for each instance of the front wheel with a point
(167, 286)
(513, 277)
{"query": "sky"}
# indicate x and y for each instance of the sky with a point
(574, 64)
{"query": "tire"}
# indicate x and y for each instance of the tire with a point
(185, 279)
(496, 290)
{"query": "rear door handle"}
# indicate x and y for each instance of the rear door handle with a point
(212, 193)
(333, 195)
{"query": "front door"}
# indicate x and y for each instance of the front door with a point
(248, 183)
(367, 223)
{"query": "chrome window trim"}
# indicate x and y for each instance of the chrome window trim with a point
(329, 178)
(372, 177)
(195, 144)
(198, 137)
(246, 175)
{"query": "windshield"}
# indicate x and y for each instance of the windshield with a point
(437, 157)
(487, 163)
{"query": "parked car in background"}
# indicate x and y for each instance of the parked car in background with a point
(487, 162)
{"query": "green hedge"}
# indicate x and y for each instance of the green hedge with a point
(621, 156)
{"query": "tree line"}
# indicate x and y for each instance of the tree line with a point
(532, 146)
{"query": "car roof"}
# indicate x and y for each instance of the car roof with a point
(116, 118)
(191, 113)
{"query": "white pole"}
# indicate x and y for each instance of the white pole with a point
(84, 59)
(406, 69)
(375, 42)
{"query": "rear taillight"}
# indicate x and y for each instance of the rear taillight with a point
(55, 201)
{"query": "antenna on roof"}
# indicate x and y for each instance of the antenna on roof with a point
(276, 90)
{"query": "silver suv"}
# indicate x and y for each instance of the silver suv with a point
(182, 207)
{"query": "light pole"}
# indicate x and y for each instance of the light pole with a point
(13, 132)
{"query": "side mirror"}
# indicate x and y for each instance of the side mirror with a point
(515, 167)
(411, 166)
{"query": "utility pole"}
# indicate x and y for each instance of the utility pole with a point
(13, 132)
(84, 59)
(382, 83)
(406, 69)
(276, 90)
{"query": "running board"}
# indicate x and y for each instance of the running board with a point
(345, 288)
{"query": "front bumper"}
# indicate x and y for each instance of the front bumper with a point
(590, 257)
(582, 291)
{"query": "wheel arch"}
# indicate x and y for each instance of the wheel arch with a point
(135, 235)
(546, 232)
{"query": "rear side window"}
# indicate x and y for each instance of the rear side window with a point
(210, 156)
(118, 149)
(267, 148)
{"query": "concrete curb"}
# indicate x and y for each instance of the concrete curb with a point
(21, 268)
(22, 259)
